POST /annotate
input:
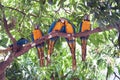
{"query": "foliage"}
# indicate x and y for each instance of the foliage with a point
(102, 47)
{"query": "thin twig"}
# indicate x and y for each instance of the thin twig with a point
(67, 11)
(6, 26)
(116, 75)
(15, 10)
(29, 14)
(114, 78)
(58, 9)
(5, 50)
(22, 12)
(27, 47)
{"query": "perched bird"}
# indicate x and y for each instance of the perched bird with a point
(62, 25)
(37, 34)
(69, 28)
(84, 26)
(20, 44)
(55, 26)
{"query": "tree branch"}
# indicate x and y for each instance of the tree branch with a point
(15, 10)
(6, 26)
(5, 50)
(11, 57)
(22, 12)
(58, 9)
(7, 30)
(28, 46)
(116, 76)
(67, 11)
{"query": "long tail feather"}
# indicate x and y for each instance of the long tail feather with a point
(41, 55)
(84, 47)
(50, 50)
(72, 49)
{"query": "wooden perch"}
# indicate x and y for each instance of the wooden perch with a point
(27, 47)
(116, 75)
(5, 50)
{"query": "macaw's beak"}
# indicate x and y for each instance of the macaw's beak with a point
(36, 27)
(86, 17)
(62, 20)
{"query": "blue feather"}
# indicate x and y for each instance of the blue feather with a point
(80, 27)
(63, 29)
(22, 41)
(73, 28)
(70, 41)
(32, 37)
(50, 30)
(52, 26)
(82, 37)
(40, 45)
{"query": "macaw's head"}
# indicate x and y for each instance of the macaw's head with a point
(62, 20)
(36, 27)
(86, 17)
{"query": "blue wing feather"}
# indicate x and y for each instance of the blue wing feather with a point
(63, 29)
(80, 27)
(32, 37)
(40, 45)
(52, 26)
(22, 41)
(73, 27)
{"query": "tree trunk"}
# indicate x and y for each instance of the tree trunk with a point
(2, 76)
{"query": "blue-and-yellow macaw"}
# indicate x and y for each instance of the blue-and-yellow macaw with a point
(84, 26)
(37, 34)
(20, 44)
(65, 26)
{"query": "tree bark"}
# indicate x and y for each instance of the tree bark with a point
(28, 46)
(2, 76)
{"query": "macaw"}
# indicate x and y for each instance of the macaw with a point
(37, 34)
(20, 44)
(84, 26)
(64, 26)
